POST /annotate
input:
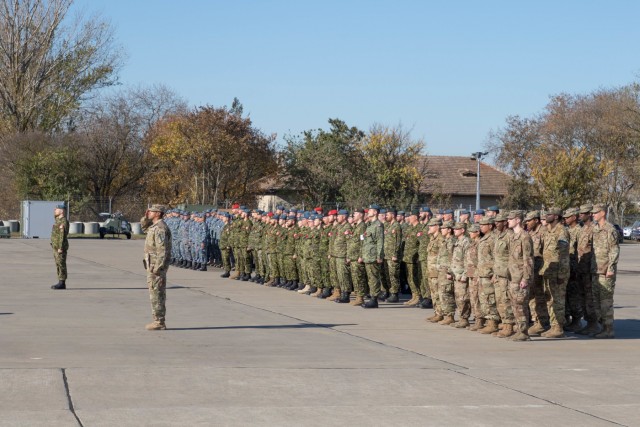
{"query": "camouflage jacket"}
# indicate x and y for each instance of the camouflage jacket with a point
(157, 248)
(471, 258)
(520, 257)
(606, 249)
(59, 233)
(555, 251)
(584, 248)
(501, 254)
(485, 255)
(373, 242)
(410, 237)
(445, 254)
(574, 234)
(342, 231)
(393, 241)
(225, 237)
(432, 254)
(354, 241)
(458, 259)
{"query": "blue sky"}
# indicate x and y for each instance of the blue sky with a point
(451, 71)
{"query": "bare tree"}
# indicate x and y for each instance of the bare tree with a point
(50, 62)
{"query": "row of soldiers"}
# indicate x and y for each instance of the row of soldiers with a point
(195, 237)
(551, 268)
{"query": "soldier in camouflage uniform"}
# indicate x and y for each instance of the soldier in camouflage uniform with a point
(445, 275)
(157, 255)
(289, 253)
(555, 271)
(537, 302)
(520, 274)
(254, 245)
(410, 256)
(332, 233)
(373, 254)
(459, 272)
(325, 259)
(574, 295)
(433, 249)
(354, 258)
(471, 263)
(185, 242)
(423, 244)
(60, 245)
(487, 296)
(392, 255)
(501, 275)
(273, 235)
(585, 247)
(341, 232)
(604, 266)
(225, 245)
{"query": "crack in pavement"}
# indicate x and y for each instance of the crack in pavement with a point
(65, 380)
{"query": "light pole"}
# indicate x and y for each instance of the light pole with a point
(478, 156)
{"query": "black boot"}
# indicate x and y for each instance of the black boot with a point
(60, 285)
(294, 285)
(419, 305)
(300, 287)
(326, 293)
(312, 290)
(426, 303)
(261, 280)
(245, 277)
(344, 298)
(372, 303)
(195, 266)
(187, 264)
(203, 267)
(383, 295)
(393, 298)
(225, 274)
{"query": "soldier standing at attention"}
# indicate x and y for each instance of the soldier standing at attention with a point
(410, 256)
(501, 275)
(60, 245)
(555, 271)
(157, 255)
(392, 255)
(433, 248)
(225, 245)
(604, 266)
(520, 274)
(487, 295)
(471, 262)
(574, 296)
(459, 272)
(373, 254)
(354, 259)
(585, 249)
(537, 303)
(423, 245)
(445, 275)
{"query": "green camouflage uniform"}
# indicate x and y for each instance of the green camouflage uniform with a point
(59, 242)
(225, 246)
(393, 248)
(157, 256)
(354, 252)
(423, 254)
(372, 251)
(339, 256)
(410, 257)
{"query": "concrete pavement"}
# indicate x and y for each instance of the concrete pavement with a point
(238, 353)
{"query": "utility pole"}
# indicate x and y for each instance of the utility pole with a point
(478, 156)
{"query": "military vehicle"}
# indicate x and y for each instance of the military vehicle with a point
(115, 225)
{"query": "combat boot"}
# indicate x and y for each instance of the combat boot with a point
(335, 295)
(60, 285)
(203, 267)
(393, 298)
(490, 327)
(447, 320)
(506, 331)
(592, 328)
(261, 280)
(302, 286)
(412, 302)
(479, 324)
(326, 293)
(372, 303)
(607, 332)
(520, 336)
(429, 319)
(436, 318)
(294, 285)
(426, 303)
(555, 332)
(344, 298)
(311, 290)
(462, 323)
(225, 274)
(317, 293)
(419, 303)
(358, 301)
(575, 325)
(304, 290)
(155, 326)
(383, 295)
(536, 329)
(270, 283)
(236, 275)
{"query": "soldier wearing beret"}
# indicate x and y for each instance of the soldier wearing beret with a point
(411, 238)
(60, 245)
(373, 254)
(157, 255)
(471, 262)
(392, 255)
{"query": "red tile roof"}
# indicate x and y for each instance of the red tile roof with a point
(456, 175)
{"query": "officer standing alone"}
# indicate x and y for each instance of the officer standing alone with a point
(60, 245)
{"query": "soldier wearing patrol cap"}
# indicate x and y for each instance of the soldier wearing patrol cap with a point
(574, 298)
(487, 296)
(585, 249)
(157, 256)
(520, 274)
(60, 245)
(501, 275)
(445, 274)
(461, 280)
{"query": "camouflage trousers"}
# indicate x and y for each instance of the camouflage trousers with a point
(392, 275)
(435, 295)
(315, 272)
(503, 301)
(333, 273)
(274, 270)
(359, 278)
(425, 290)
(373, 278)
(343, 281)
(61, 264)
(243, 260)
(226, 259)
(412, 278)
(487, 298)
(253, 255)
(588, 305)
(290, 269)
(324, 280)
(575, 298)
(463, 300)
(555, 289)
(263, 269)
(385, 285)
(537, 301)
(447, 295)
(603, 288)
(519, 306)
(201, 254)
(157, 284)
(474, 283)
(185, 250)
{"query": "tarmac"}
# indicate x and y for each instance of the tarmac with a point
(239, 354)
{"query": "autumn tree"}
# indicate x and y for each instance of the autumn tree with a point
(50, 61)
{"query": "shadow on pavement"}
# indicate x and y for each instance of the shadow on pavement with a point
(127, 289)
(1, 314)
(298, 326)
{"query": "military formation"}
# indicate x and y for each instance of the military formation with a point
(510, 274)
